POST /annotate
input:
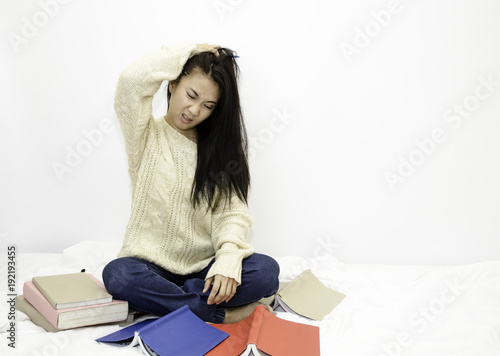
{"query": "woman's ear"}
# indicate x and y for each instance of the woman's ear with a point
(171, 86)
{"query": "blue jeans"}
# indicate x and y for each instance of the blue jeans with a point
(152, 289)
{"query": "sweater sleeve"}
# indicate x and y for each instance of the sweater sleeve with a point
(134, 93)
(230, 226)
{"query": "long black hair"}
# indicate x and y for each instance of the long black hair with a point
(222, 156)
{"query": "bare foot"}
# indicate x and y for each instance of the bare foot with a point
(233, 315)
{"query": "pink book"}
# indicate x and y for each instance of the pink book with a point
(115, 311)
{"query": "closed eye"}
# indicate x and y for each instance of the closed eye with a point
(195, 95)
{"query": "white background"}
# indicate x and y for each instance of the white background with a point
(319, 180)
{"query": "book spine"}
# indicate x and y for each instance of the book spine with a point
(38, 300)
(253, 335)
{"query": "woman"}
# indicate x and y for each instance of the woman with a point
(185, 242)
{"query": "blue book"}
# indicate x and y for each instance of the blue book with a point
(178, 333)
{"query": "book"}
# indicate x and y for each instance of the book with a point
(263, 333)
(306, 296)
(180, 332)
(114, 311)
(24, 306)
(71, 290)
(38, 319)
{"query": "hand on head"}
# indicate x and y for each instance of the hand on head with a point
(205, 47)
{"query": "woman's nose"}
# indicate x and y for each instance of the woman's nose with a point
(194, 109)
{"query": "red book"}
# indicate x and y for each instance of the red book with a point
(265, 332)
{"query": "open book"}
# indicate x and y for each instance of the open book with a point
(178, 333)
(306, 296)
(263, 333)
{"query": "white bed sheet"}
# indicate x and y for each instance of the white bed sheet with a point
(388, 311)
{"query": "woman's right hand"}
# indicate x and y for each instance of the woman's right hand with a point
(205, 47)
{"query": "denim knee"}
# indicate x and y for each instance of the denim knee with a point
(113, 277)
(272, 275)
(268, 274)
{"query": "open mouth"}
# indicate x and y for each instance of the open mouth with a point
(186, 119)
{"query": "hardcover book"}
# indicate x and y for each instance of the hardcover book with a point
(306, 296)
(24, 306)
(71, 290)
(114, 311)
(38, 319)
(178, 333)
(263, 333)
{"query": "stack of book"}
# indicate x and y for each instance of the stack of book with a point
(68, 301)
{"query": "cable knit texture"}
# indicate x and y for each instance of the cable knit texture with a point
(164, 228)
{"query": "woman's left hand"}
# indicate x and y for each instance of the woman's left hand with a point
(223, 289)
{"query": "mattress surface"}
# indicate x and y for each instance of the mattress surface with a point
(388, 310)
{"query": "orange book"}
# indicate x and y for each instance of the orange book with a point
(263, 333)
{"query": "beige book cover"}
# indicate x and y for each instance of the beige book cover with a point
(307, 296)
(71, 290)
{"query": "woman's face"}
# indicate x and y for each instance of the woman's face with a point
(192, 101)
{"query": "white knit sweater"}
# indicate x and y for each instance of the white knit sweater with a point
(164, 228)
